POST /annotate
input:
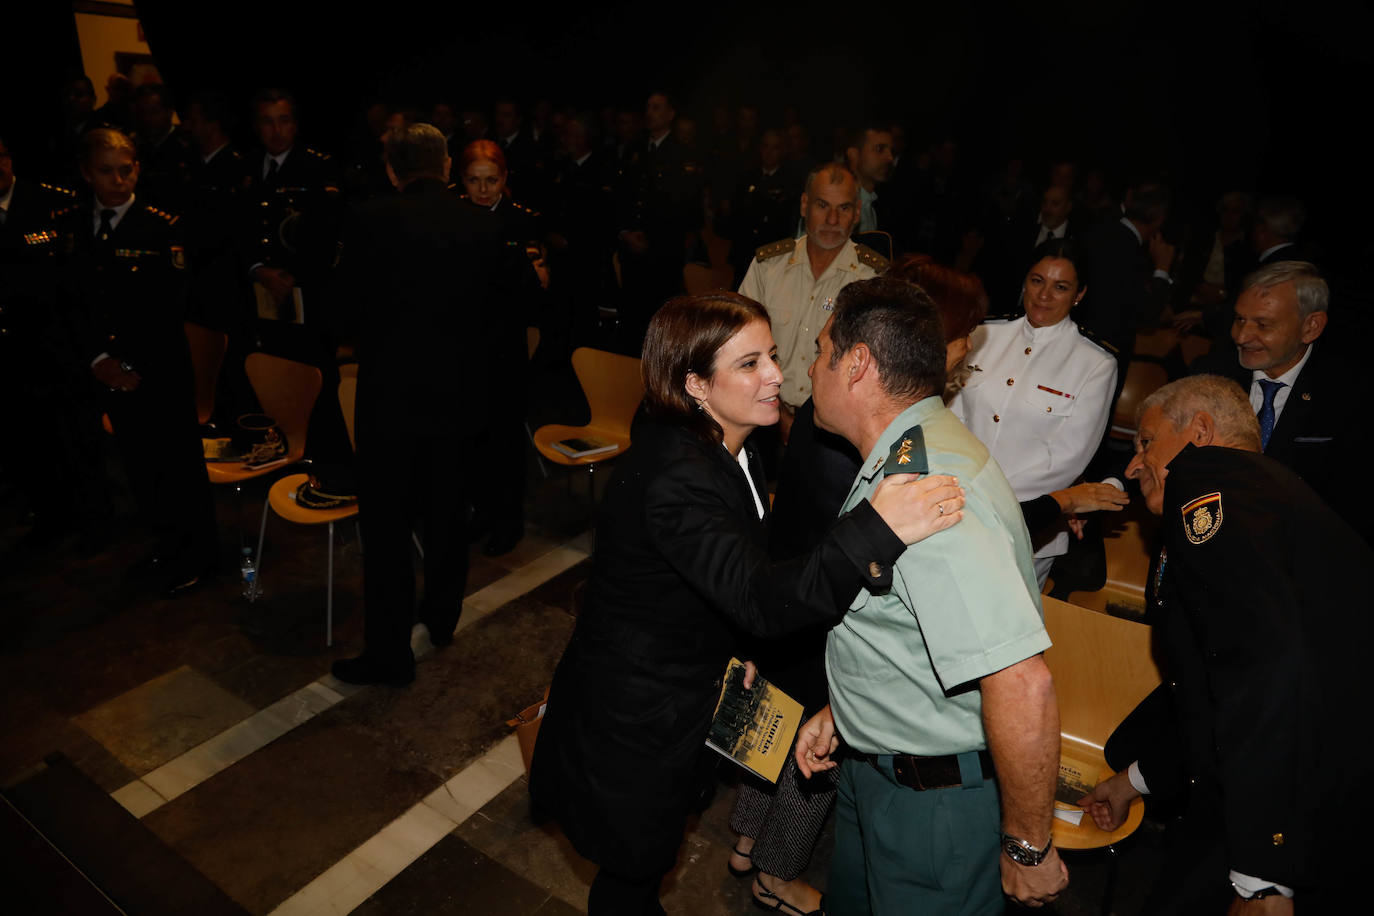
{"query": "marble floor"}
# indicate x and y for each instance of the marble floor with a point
(214, 725)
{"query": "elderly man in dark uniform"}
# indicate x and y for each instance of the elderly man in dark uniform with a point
(422, 276)
(125, 279)
(1263, 624)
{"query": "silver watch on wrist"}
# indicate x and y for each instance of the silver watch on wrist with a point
(1024, 853)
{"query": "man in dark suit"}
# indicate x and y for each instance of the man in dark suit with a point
(125, 286)
(1129, 263)
(1305, 396)
(1264, 635)
(421, 278)
(1278, 220)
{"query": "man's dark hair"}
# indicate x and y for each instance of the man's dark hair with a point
(856, 137)
(416, 151)
(273, 95)
(1149, 203)
(901, 328)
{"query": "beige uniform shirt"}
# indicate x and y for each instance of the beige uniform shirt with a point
(799, 304)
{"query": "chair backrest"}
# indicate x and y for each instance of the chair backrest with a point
(207, 356)
(698, 279)
(613, 387)
(1192, 347)
(878, 240)
(531, 341)
(348, 398)
(1102, 667)
(1142, 380)
(1155, 344)
(287, 391)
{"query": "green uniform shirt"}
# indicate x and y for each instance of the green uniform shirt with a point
(963, 604)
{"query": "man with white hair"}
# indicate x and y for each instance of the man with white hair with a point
(1262, 625)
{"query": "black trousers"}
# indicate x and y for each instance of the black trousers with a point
(410, 479)
(159, 440)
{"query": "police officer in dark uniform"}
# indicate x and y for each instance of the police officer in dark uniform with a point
(166, 154)
(764, 205)
(659, 214)
(291, 205)
(499, 506)
(1262, 619)
(44, 395)
(125, 286)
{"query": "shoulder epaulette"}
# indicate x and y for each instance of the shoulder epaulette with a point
(323, 157)
(523, 209)
(773, 249)
(870, 257)
(1097, 340)
(65, 211)
(168, 218)
(56, 189)
(908, 454)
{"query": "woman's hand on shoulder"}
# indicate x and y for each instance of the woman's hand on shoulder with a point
(916, 507)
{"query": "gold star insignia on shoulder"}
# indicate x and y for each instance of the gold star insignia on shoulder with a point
(908, 454)
(1202, 518)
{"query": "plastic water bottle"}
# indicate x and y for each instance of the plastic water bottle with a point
(248, 572)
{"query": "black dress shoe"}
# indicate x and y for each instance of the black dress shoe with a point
(367, 669)
(502, 542)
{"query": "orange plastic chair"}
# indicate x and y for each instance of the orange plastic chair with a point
(207, 357)
(1102, 668)
(1142, 379)
(613, 387)
(287, 391)
(282, 500)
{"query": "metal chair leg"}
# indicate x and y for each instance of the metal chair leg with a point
(329, 595)
(257, 558)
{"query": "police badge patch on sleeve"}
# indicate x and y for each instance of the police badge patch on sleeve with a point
(1202, 517)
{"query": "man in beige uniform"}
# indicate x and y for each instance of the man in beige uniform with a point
(797, 280)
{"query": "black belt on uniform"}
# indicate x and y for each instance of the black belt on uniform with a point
(921, 773)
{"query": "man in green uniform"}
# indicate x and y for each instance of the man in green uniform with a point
(937, 685)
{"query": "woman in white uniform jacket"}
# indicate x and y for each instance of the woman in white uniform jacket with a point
(1038, 392)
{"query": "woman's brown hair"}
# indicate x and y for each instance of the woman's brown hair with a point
(959, 297)
(684, 337)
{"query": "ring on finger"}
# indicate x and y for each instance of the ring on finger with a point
(941, 507)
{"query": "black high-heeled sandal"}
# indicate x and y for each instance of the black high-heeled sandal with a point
(742, 872)
(765, 899)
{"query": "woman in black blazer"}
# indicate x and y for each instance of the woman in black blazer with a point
(680, 570)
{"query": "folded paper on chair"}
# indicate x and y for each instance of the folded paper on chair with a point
(1077, 777)
(582, 448)
(754, 727)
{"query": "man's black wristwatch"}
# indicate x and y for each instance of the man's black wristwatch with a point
(1024, 853)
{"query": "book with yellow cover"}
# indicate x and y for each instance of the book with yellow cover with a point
(754, 727)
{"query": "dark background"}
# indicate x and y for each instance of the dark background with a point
(1213, 96)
